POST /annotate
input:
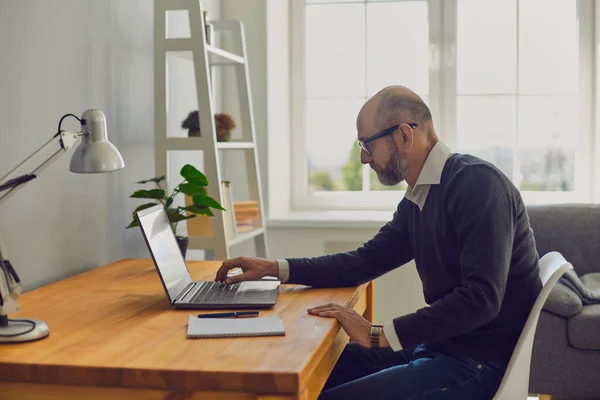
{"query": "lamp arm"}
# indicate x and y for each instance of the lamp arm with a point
(10, 183)
(10, 284)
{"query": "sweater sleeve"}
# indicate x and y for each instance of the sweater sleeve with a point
(482, 206)
(389, 249)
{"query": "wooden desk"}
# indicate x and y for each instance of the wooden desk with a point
(114, 335)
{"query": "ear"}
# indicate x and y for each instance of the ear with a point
(405, 136)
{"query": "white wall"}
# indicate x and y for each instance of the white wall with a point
(60, 57)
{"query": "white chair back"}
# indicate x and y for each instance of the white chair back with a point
(515, 384)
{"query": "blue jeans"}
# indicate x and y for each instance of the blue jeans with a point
(409, 374)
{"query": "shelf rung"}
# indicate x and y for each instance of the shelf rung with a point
(220, 56)
(245, 236)
(234, 145)
(183, 143)
(216, 55)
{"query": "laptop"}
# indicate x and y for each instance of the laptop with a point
(175, 276)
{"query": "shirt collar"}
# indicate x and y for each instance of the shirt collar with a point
(430, 174)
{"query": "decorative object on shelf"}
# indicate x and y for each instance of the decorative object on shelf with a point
(247, 216)
(224, 124)
(209, 29)
(192, 124)
(227, 196)
(95, 154)
(194, 185)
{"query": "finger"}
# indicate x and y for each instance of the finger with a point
(321, 310)
(232, 280)
(331, 314)
(329, 305)
(226, 266)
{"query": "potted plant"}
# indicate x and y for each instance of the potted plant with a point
(194, 185)
(224, 124)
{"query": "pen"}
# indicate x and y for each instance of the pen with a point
(235, 314)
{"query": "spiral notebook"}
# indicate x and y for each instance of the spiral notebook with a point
(234, 327)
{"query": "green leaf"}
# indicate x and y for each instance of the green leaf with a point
(193, 176)
(132, 224)
(190, 190)
(157, 194)
(169, 202)
(175, 216)
(204, 200)
(199, 210)
(157, 180)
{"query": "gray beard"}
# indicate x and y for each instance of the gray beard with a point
(395, 170)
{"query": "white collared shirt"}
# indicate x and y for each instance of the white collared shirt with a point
(430, 174)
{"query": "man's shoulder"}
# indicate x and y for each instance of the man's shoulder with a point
(469, 165)
(466, 170)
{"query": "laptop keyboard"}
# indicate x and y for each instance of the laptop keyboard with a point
(215, 293)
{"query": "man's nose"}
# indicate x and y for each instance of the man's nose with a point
(364, 157)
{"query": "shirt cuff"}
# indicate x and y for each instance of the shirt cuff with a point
(391, 336)
(284, 270)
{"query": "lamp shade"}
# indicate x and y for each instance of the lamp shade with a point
(95, 154)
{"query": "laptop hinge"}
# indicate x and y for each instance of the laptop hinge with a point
(185, 291)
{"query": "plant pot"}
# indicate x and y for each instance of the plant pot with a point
(223, 135)
(183, 242)
(193, 133)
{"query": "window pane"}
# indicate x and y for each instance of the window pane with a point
(486, 46)
(335, 50)
(486, 120)
(487, 127)
(548, 121)
(333, 155)
(547, 169)
(548, 46)
(398, 46)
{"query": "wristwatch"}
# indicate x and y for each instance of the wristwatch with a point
(376, 331)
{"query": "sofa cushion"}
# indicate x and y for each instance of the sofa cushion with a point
(563, 301)
(584, 328)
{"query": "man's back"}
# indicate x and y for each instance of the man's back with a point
(455, 241)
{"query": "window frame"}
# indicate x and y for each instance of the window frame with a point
(443, 98)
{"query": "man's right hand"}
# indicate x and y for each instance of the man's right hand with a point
(253, 269)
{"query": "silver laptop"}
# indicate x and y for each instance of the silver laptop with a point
(176, 279)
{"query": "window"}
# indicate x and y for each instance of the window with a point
(509, 81)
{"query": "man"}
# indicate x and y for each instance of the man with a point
(465, 225)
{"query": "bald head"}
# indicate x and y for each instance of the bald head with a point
(395, 104)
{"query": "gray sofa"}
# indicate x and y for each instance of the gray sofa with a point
(566, 351)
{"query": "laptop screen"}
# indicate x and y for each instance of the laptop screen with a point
(164, 250)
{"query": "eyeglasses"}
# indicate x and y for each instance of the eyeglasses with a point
(386, 132)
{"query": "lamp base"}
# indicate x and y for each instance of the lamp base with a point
(23, 330)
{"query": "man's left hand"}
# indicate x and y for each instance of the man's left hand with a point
(357, 327)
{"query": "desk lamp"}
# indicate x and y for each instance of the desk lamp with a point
(95, 154)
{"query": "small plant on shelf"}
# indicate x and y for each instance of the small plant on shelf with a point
(224, 124)
(194, 185)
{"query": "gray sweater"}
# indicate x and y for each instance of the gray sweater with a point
(475, 254)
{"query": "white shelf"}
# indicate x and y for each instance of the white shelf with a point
(242, 237)
(198, 143)
(221, 57)
(183, 48)
(234, 145)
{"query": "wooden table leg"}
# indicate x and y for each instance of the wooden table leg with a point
(544, 397)
(370, 311)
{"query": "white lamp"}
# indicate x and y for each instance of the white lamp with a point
(95, 154)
